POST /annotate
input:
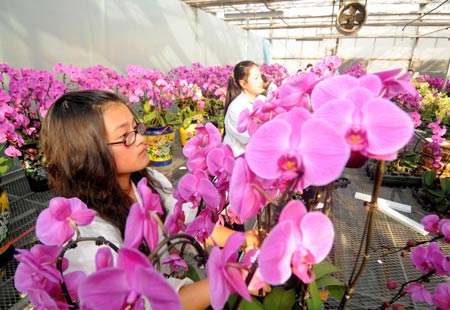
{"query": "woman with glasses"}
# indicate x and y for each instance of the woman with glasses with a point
(95, 151)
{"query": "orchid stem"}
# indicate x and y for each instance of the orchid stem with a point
(367, 234)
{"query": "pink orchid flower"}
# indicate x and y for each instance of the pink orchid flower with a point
(133, 279)
(103, 258)
(40, 299)
(354, 108)
(175, 222)
(37, 268)
(56, 224)
(202, 226)
(245, 198)
(141, 223)
(257, 282)
(207, 137)
(422, 257)
(444, 229)
(394, 85)
(292, 145)
(176, 262)
(441, 297)
(419, 293)
(228, 277)
(196, 188)
(299, 240)
(430, 223)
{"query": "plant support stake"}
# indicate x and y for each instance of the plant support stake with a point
(366, 237)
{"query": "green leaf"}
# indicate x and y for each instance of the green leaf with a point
(442, 207)
(279, 299)
(436, 193)
(337, 291)
(254, 305)
(428, 178)
(323, 268)
(192, 274)
(314, 302)
(5, 164)
(445, 185)
(328, 280)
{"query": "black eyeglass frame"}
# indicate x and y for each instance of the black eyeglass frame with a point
(139, 129)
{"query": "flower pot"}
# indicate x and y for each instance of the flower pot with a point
(32, 166)
(426, 160)
(6, 251)
(160, 145)
(188, 132)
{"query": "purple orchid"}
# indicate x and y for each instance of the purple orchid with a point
(418, 293)
(246, 198)
(196, 188)
(176, 262)
(299, 240)
(41, 300)
(134, 280)
(175, 222)
(103, 258)
(292, 145)
(441, 296)
(141, 222)
(355, 109)
(37, 268)
(444, 229)
(228, 278)
(394, 85)
(423, 257)
(202, 226)
(430, 223)
(56, 224)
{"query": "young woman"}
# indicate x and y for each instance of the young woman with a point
(94, 150)
(244, 87)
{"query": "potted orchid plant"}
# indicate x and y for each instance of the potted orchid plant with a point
(25, 96)
(318, 123)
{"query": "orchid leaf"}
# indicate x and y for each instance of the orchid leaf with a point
(445, 186)
(192, 274)
(324, 268)
(428, 178)
(5, 164)
(314, 302)
(327, 280)
(254, 305)
(337, 291)
(280, 299)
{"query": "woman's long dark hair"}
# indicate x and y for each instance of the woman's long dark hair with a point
(78, 159)
(241, 71)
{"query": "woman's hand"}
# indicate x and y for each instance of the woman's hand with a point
(253, 240)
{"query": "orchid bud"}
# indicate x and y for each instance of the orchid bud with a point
(391, 285)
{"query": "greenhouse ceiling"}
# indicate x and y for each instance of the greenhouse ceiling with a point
(305, 20)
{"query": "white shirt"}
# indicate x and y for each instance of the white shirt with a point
(236, 140)
(83, 256)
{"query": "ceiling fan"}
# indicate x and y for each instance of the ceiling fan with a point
(351, 17)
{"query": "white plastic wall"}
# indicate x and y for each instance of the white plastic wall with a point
(159, 34)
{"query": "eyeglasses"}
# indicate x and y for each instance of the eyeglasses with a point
(130, 137)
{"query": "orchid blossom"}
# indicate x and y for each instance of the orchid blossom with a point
(222, 265)
(355, 109)
(141, 222)
(56, 224)
(135, 282)
(292, 145)
(299, 240)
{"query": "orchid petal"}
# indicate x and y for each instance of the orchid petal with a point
(134, 228)
(51, 231)
(317, 235)
(382, 116)
(266, 147)
(96, 290)
(276, 252)
(164, 297)
(322, 164)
